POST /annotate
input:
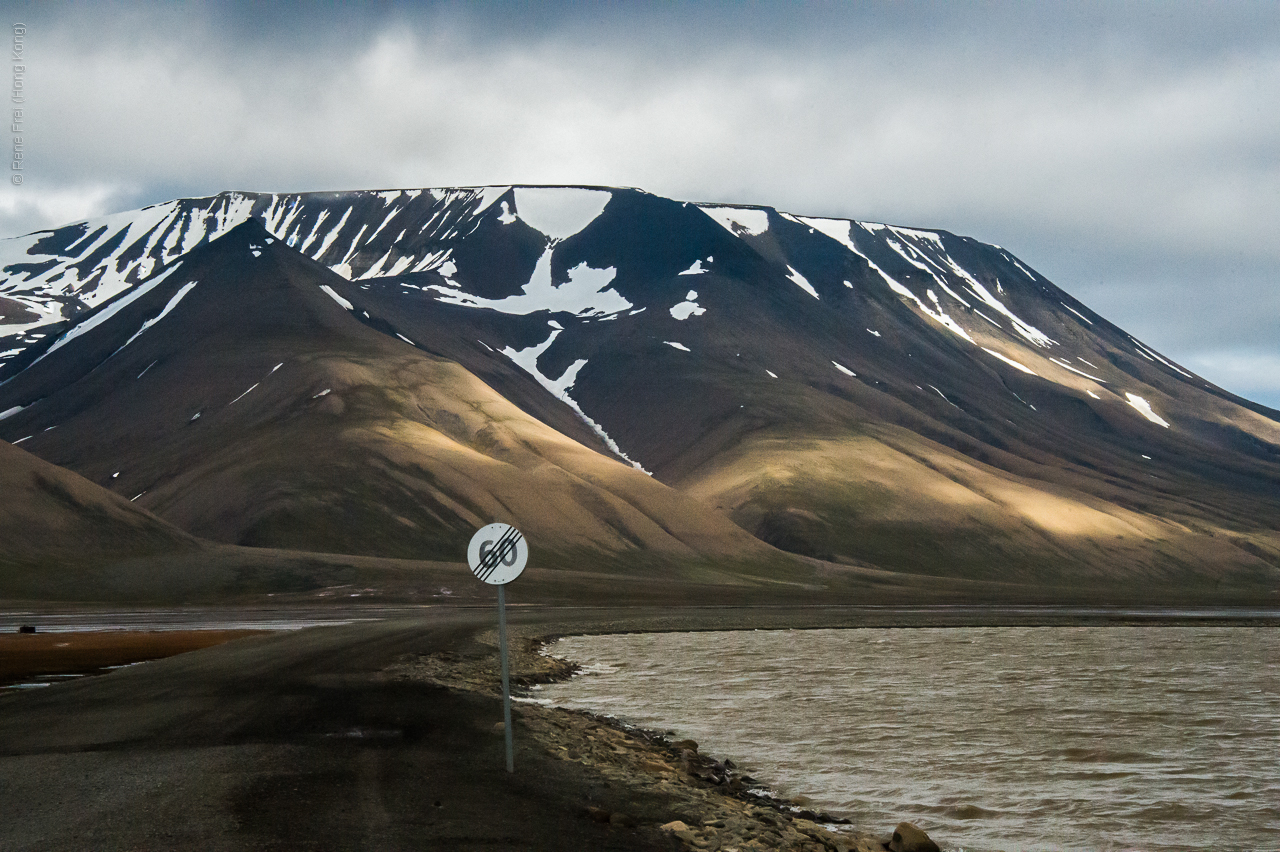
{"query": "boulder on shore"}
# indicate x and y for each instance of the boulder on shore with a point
(909, 838)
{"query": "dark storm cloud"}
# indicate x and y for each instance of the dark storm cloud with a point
(1128, 151)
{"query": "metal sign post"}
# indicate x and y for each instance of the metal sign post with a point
(497, 554)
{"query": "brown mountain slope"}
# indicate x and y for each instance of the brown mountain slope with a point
(51, 518)
(914, 506)
(257, 410)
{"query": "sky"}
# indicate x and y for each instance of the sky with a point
(1130, 152)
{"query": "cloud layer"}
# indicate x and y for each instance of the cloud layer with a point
(1126, 152)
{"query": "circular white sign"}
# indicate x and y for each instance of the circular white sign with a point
(497, 554)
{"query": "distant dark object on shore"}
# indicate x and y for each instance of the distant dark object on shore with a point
(27, 628)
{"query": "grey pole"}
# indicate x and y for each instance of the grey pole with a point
(506, 681)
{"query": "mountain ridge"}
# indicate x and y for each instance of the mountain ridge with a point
(247, 385)
(858, 393)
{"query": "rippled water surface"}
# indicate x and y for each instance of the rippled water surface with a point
(1046, 738)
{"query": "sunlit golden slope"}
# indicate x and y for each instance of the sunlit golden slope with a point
(897, 500)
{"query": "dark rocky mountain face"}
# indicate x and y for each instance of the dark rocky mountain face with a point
(630, 378)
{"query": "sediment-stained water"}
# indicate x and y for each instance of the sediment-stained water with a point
(1025, 738)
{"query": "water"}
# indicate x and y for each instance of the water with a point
(1036, 738)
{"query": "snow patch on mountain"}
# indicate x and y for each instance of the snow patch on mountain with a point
(689, 307)
(125, 249)
(111, 310)
(46, 312)
(332, 235)
(527, 360)
(1066, 365)
(1077, 313)
(739, 221)
(402, 263)
(586, 293)
(332, 295)
(487, 196)
(1152, 354)
(1144, 408)
(988, 319)
(676, 345)
(837, 229)
(801, 282)
(559, 212)
(173, 303)
(939, 316)
(915, 233)
(842, 368)
(1025, 271)
(324, 214)
(237, 399)
(1026, 329)
(278, 218)
(916, 257)
(1023, 367)
(696, 269)
(382, 225)
(376, 270)
(841, 230)
(902, 252)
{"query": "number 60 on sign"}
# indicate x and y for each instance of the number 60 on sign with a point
(497, 554)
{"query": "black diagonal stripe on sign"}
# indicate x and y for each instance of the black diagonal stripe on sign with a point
(494, 555)
(491, 559)
(500, 551)
(504, 546)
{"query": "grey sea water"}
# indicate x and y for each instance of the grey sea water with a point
(1013, 738)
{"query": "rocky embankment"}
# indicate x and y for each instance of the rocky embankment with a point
(719, 807)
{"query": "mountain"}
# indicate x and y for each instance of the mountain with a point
(51, 518)
(634, 381)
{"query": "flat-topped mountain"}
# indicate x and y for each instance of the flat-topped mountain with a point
(633, 380)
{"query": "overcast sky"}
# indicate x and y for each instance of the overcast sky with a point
(1128, 151)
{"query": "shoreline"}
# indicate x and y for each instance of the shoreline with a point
(723, 808)
(63, 617)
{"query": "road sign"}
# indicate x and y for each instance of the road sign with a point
(497, 554)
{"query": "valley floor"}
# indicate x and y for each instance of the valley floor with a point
(383, 735)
